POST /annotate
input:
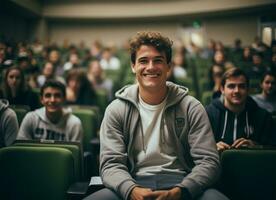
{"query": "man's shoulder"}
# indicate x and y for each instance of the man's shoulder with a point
(73, 119)
(118, 104)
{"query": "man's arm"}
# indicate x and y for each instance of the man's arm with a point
(10, 125)
(113, 155)
(203, 152)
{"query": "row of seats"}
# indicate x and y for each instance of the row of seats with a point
(28, 172)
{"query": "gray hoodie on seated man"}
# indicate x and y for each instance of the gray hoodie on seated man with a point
(156, 140)
(8, 124)
(51, 122)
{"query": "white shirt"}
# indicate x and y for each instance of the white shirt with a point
(153, 151)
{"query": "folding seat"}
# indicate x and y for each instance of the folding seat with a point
(206, 98)
(90, 123)
(21, 111)
(74, 147)
(30, 173)
(249, 174)
(102, 100)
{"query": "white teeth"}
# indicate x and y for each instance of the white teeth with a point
(151, 75)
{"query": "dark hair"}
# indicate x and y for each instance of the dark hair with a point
(234, 72)
(267, 73)
(6, 88)
(155, 39)
(54, 84)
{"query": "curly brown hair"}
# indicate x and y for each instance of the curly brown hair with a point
(155, 39)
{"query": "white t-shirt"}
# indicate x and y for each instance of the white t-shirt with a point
(153, 150)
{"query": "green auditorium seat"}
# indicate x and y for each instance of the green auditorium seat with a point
(31, 173)
(102, 100)
(21, 111)
(74, 147)
(186, 82)
(249, 174)
(206, 98)
(89, 120)
(90, 123)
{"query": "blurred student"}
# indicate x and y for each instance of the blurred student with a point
(79, 90)
(48, 72)
(96, 76)
(267, 98)
(16, 91)
(109, 61)
(8, 124)
(51, 122)
(236, 119)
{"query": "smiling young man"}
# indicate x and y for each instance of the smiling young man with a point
(156, 140)
(236, 119)
(52, 121)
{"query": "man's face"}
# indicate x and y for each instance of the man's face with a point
(235, 91)
(52, 99)
(151, 68)
(268, 85)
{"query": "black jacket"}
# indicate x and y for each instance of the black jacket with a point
(253, 122)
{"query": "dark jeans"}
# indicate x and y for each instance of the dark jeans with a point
(107, 194)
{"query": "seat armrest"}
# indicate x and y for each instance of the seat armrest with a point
(77, 190)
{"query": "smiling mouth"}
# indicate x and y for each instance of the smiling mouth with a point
(151, 75)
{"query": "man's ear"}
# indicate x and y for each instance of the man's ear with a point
(132, 68)
(221, 89)
(41, 99)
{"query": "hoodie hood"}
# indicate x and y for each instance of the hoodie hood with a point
(41, 113)
(4, 104)
(174, 95)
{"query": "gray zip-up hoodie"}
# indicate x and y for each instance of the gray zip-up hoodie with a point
(186, 120)
(8, 124)
(36, 125)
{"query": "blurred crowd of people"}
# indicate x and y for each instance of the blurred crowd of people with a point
(25, 67)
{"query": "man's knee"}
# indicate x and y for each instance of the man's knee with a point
(103, 194)
(212, 194)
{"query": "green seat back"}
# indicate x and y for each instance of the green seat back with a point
(89, 122)
(74, 147)
(249, 174)
(102, 100)
(21, 111)
(31, 173)
(206, 98)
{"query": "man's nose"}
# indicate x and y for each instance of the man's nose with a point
(151, 64)
(236, 89)
(52, 98)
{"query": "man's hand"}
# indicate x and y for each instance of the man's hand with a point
(172, 194)
(221, 146)
(139, 193)
(242, 142)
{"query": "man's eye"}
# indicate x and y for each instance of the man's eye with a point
(57, 95)
(243, 86)
(159, 61)
(142, 61)
(231, 86)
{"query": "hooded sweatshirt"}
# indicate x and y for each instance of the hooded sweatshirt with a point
(8, 124)
(36, 125)
(190, 131)
(252, 123)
